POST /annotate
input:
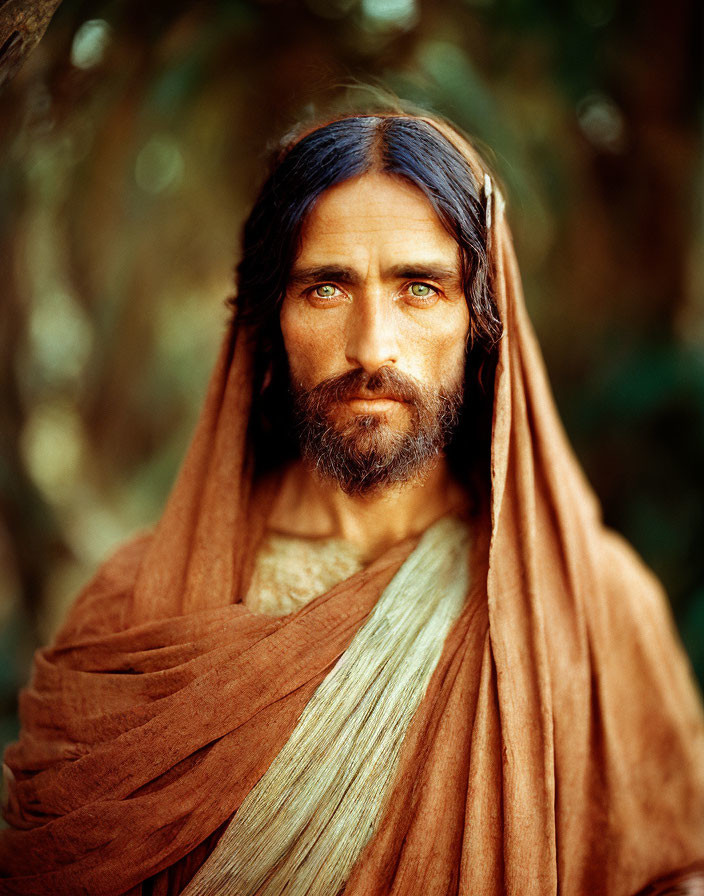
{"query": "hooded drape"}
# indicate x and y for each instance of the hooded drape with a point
(559, 746)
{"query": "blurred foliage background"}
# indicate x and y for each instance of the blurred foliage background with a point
(132, 141)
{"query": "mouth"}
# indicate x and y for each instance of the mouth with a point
(379, 395)
(370, 405)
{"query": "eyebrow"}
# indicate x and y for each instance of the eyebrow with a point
(302, 276)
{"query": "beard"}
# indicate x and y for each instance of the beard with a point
(366, 453)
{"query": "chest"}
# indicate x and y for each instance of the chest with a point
(290, 571)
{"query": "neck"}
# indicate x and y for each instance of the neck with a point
(310, 506)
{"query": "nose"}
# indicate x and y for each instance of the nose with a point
(372, 340)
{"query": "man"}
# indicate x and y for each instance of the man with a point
(380, 641)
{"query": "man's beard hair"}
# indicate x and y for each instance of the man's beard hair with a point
(365, 453)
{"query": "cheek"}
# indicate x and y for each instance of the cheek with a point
(311, 344)
(440, 350)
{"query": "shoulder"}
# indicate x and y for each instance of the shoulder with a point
(633, 591)
(641, 633)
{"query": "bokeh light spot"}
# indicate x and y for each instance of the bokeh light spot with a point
(60, 337)
(389, 12)
(89, 43)
(159, 166)
(52, 446)
(602, 122)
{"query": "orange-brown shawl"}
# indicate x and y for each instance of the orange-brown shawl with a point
(560, 744)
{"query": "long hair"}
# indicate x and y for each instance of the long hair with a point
(303, 169)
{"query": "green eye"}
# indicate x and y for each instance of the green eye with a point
(420, 289)
(325, 291)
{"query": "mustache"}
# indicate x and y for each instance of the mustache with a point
(386, 382)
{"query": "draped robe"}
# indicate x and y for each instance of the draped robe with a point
(559, 745)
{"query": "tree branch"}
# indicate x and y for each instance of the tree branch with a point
(22, 24)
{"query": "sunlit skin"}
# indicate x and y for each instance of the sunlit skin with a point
(377, 282)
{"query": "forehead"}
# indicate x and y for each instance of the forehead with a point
(374, 214)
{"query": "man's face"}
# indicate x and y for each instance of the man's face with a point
(375, 325)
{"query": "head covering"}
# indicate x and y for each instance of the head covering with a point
(562, 749)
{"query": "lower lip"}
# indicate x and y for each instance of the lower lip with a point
(367, 405)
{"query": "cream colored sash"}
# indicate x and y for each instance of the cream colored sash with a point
(304, 824)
